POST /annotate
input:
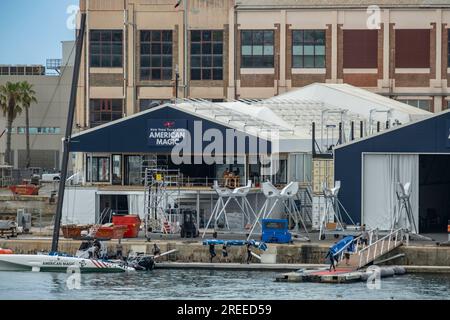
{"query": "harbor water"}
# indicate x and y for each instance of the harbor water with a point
(211, 284)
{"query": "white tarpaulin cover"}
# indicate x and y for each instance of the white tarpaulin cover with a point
(381, 173)
(79, 206)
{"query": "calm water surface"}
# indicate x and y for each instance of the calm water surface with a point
(205, 284)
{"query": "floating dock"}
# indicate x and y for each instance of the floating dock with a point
(341, 275)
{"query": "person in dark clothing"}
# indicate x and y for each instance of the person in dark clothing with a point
(156, 250)
(330, 257)
(225, 252)
(249, 253)
(212, 252)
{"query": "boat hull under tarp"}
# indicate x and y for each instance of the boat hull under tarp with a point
(46, 263)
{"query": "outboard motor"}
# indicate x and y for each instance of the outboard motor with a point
(141, 262)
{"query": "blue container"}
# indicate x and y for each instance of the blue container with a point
(275, 231)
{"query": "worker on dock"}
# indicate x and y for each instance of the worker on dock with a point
(249, 253)
(225, 252)
(156, 250)
(330, 256)
(212, 252)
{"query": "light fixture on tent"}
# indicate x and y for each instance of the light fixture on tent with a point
(333, 207)
(404, 208)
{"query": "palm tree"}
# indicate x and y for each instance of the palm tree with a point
(28, 96)
(10, 102)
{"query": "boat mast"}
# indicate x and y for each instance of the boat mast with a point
(69, 126)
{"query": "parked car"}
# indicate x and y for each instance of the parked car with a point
(50, 177)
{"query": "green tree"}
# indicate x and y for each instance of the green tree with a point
(28, 96)
(10, 102)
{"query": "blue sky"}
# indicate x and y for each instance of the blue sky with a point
(31, 31)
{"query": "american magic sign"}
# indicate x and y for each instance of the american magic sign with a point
(166, 133)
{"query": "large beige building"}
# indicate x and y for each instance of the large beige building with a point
(257, 49)
(47, 118)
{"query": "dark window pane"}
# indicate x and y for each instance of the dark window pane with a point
(156, 74)
(105, 49)
(258, 37)
(195, 61)
(206, 74)
(156, 62)
(297, 36)
(206, 48)
(167, 74)
(156, 35)
(206, 35)
(95, 61)
(195, 48)
(116, 105)
(167, 48)
(206, 61)
(246, 37)
(258, 61)
(195, 36)
(309, 36)
(320, 37)
(145, 49)
(95, 49)
(95, 35)
(217, 74)
(246, 61)
(117, 36)
(145, 74)
(218, 36)
(117, 61)
(167, 62)
(217, 61)
(309, 61)
(217, 48)
(268, 37)
(268, 61)
(145, 61)
(196, 74)
(297, 62)
(106, 36)
(167, 35)
(145, 36)
(106, 61)
(319, 62)
(156, 48)
(117, 48)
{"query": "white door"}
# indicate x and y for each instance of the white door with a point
(381, 174)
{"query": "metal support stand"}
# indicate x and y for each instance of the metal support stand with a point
(220, 207)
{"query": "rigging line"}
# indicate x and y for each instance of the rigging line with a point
(54, 94)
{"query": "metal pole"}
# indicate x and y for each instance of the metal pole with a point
(352, 130)
(66, 143)
(185, 72)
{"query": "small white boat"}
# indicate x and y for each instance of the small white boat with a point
(55, 263)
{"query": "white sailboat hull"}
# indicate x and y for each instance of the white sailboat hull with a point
(43, 263)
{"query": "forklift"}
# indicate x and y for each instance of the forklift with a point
(188, 223)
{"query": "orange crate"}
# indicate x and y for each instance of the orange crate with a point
(115, 232)
(73, 231)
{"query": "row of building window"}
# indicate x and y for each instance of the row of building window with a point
(22, 70)
(37, 130)
(257, 50)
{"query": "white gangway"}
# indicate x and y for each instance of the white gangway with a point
(237, 195)
(284, 198)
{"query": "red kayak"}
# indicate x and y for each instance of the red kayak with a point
(6, 251)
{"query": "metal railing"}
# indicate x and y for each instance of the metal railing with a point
(380, 247)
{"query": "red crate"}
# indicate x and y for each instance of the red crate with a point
(131, 221)
(114, 232)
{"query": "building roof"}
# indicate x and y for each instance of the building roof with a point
(288, 118)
